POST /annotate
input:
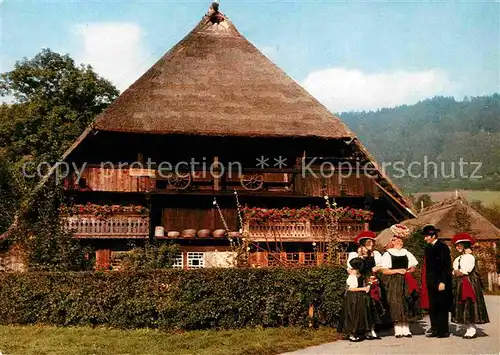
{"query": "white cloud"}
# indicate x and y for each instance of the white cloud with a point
(115, 51)
(342, 89)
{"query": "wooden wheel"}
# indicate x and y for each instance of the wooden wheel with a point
(253, 181)
(179, 181)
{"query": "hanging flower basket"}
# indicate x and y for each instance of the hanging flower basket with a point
(305, 214)
(103, 210)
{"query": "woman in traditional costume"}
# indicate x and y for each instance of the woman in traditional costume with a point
(357, 316)
(372, 261)
(469, 307)
(402, 288)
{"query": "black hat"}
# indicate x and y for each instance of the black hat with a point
(357, 263)
(430, 230)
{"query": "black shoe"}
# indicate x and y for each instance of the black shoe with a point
(399, 336)
(446, 335)
(377, 337)
(469, 336)
(354, 338)
(408, 336)
(431, 335)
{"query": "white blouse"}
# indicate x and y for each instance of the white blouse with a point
(352, 281)
(387, 261)
(353, 254)
(466, 261)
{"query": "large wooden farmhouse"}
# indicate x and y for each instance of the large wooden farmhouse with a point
(213, 124)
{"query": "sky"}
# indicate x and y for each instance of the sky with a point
(350, 55)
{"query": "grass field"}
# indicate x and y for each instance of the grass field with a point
(31, 340)
(488, 198)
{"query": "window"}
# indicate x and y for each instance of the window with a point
(195, 260)
(310, 259)
(179, 261)
(292, 258)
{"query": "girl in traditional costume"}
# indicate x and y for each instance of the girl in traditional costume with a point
(366, 239)
(469, 307)
(372, 261)
(402, 288)
(357, 316)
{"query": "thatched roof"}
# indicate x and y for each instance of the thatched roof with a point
(215, 82)
(451, 216)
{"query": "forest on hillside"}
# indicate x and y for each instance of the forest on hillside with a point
(440, 133)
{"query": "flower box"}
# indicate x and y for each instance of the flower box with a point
(103, 211)
(305, 214)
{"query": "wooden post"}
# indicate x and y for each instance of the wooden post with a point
(217, 172)
(319, 258)
(184, 260)
(301, 257)
(140, 159)
(311, 315)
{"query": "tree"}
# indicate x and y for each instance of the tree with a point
(45, 244)
(55, 101)
(441, 130)
(424, 200)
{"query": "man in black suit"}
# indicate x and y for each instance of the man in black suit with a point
(438, 281)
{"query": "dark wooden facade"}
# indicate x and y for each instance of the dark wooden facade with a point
(183, 199)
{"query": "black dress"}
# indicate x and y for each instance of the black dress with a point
(377, 297)
(402, 305)
(357, 314)
(467, 311)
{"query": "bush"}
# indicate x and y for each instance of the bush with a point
(174, 299)
(151, 256)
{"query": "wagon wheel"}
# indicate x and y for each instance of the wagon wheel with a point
(179, 181)
(253, 181)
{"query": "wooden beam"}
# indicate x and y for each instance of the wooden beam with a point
(217, 179)
(393, 198)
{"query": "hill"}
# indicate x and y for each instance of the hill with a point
(436, 144)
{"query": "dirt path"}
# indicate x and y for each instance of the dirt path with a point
(487, 342)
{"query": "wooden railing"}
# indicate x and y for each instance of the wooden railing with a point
(123, 226)
(301, 231)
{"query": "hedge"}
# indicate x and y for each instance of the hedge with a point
(174, 299)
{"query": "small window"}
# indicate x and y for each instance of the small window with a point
(292, 258)
(310, 259)
(195, 260)
(179, 261)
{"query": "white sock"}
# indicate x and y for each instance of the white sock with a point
(406, 329)
(398, 330)
(373, 333)
(471, 330)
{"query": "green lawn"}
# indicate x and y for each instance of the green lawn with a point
(488, 198)
(30, 340)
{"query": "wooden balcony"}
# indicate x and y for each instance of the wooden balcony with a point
(301, 231)
(122, 226)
